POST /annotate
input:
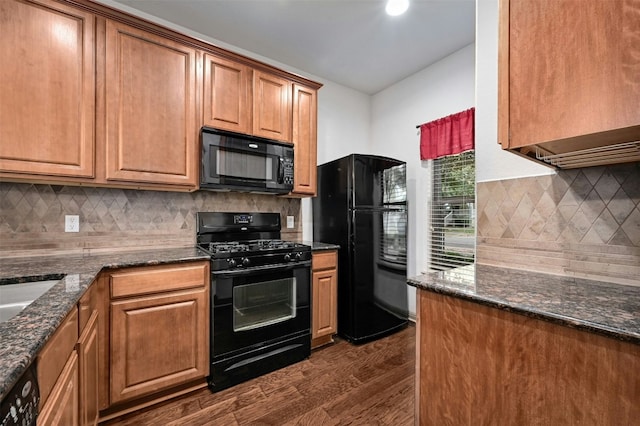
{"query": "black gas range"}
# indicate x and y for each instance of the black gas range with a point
(260, 295)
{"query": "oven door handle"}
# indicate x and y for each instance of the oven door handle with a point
(248, 271)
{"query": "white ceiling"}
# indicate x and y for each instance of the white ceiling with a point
(350, 42)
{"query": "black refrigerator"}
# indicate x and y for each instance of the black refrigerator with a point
(362, 206)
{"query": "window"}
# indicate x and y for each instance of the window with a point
(393, 247)
(453, 211)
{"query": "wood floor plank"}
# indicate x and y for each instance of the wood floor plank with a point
(284, 397)
(340, 384)
(392, 406)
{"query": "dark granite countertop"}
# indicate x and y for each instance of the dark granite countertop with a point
(609, 309)
(22, 337)
(318, 246)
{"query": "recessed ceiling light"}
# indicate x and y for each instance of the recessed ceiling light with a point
(397, 7)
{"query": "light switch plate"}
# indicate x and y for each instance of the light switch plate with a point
(72, 223)
(290, 222)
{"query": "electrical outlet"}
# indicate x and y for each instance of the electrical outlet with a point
(72, 223)
(290, 222)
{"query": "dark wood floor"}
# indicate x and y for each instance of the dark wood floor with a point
(341, 384)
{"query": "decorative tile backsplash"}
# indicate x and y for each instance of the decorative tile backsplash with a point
(582, 222)
(32, 216)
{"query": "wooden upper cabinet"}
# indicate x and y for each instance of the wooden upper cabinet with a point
(151, 130)
(568, 69)
(305, 119)
(271, 106)
(227, 94)
(47, 79)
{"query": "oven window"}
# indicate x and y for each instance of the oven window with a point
(244, 165)
(260, 304)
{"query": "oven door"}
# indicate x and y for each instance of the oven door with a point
(256, 306)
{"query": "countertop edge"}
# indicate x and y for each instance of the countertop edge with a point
(575, 323)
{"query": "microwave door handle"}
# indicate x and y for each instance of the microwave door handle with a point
(280, 170)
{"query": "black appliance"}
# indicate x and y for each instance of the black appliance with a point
(237, 162)
(260, 296)
(361, 205)
(20, 404)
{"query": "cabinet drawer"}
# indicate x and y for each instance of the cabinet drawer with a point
(325, 260)
(55, 354)
(157, 279)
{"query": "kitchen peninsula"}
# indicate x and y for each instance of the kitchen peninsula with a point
(497, 345)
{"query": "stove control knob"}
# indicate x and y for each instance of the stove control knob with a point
(245, 262)
(298, 257)
(232, 263)
(287, 257)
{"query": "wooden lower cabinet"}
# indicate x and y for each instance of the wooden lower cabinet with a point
(159, 339)
(324, 322)
(62, 406)
(68, 368)
(477, 364)
(88, 362)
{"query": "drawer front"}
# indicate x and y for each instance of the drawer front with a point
(157, 279)
(325, 260)
(55, 354)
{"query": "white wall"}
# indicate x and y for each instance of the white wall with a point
(492, 163)
(443, 88)
(343, 128)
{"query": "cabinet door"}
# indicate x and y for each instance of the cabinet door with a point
(304, 140)
(157, 342)
(88, 375)
(227, 96)
(47, 79)
(271, 106)
(324, 322)
(570, 69)
(151, 132)
(324, 303)
(62, 406)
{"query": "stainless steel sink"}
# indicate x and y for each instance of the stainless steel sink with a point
(15, 297)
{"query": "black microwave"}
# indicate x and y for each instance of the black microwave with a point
(237, 162)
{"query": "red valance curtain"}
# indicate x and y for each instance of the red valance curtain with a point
(449, 135)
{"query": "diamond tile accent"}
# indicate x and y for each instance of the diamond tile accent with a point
(596, 206)
(118, 217)
(620, 206)
(605, 225)
(607, 186)
(631, 227)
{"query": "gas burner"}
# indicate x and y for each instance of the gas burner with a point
(270, 244)
(228, 247)
(249, 246)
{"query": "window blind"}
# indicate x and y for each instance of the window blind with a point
(393, 232)
(453, 211)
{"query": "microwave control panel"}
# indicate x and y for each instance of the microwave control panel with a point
(288, 171)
